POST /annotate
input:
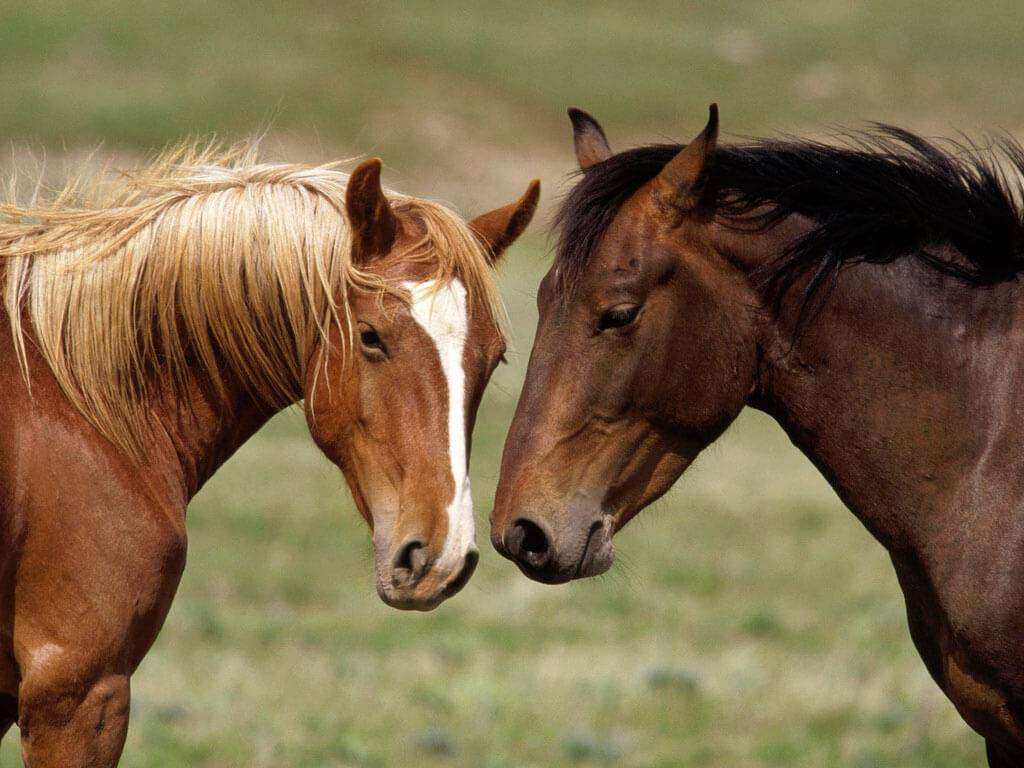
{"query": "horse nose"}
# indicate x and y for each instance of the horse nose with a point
(418, 574)
(410, 564)
(529, 544)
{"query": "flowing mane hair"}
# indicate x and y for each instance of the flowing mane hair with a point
(204, 260)
(882, 195)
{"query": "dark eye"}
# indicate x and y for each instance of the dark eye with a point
(618, 316)
(372, 341)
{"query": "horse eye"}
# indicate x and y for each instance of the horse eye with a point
(618, 316)
(371, 340)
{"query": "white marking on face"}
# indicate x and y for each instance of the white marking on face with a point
(442, 313)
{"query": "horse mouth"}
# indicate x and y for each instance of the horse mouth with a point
(455, 584)
(599, 550)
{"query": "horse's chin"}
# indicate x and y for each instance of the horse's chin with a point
(410, 602)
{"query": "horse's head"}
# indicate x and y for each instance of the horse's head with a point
(395, 401)
(643, 355)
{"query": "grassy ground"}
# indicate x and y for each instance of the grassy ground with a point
(750, 620)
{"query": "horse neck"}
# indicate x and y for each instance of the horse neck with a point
(890, 391)
(197, 429)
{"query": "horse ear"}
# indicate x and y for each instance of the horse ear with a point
(680, 182)
(370, 217)
(499, 228)
(588, 138)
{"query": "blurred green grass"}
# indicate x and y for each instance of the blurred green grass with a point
(750, 621)
(422, 83)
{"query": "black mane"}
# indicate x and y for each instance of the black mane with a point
(885, 194)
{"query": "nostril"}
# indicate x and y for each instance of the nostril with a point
(411, 562)
(530, 543)
(534, 540)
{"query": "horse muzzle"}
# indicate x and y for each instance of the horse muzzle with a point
(555, 555)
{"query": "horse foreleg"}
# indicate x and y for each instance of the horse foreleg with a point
(68, 721)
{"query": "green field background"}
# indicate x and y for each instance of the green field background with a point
(749, 620)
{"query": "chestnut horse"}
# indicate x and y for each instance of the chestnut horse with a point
(153, 330)
(864, 296)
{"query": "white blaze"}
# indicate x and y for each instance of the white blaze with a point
(441, 312)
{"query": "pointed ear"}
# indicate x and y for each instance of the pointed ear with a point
(680, 182)
(373, 223)
(499, 228)
(588, 138)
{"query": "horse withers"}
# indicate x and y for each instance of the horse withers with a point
(153, 331)
(863, 295)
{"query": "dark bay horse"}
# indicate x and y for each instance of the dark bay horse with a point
(866, 296)
(152, 331)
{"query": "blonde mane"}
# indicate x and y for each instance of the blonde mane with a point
(206, 257)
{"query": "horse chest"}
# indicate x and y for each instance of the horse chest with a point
(987, 707)
(982, 680)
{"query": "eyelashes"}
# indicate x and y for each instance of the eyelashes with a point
(618, 316)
